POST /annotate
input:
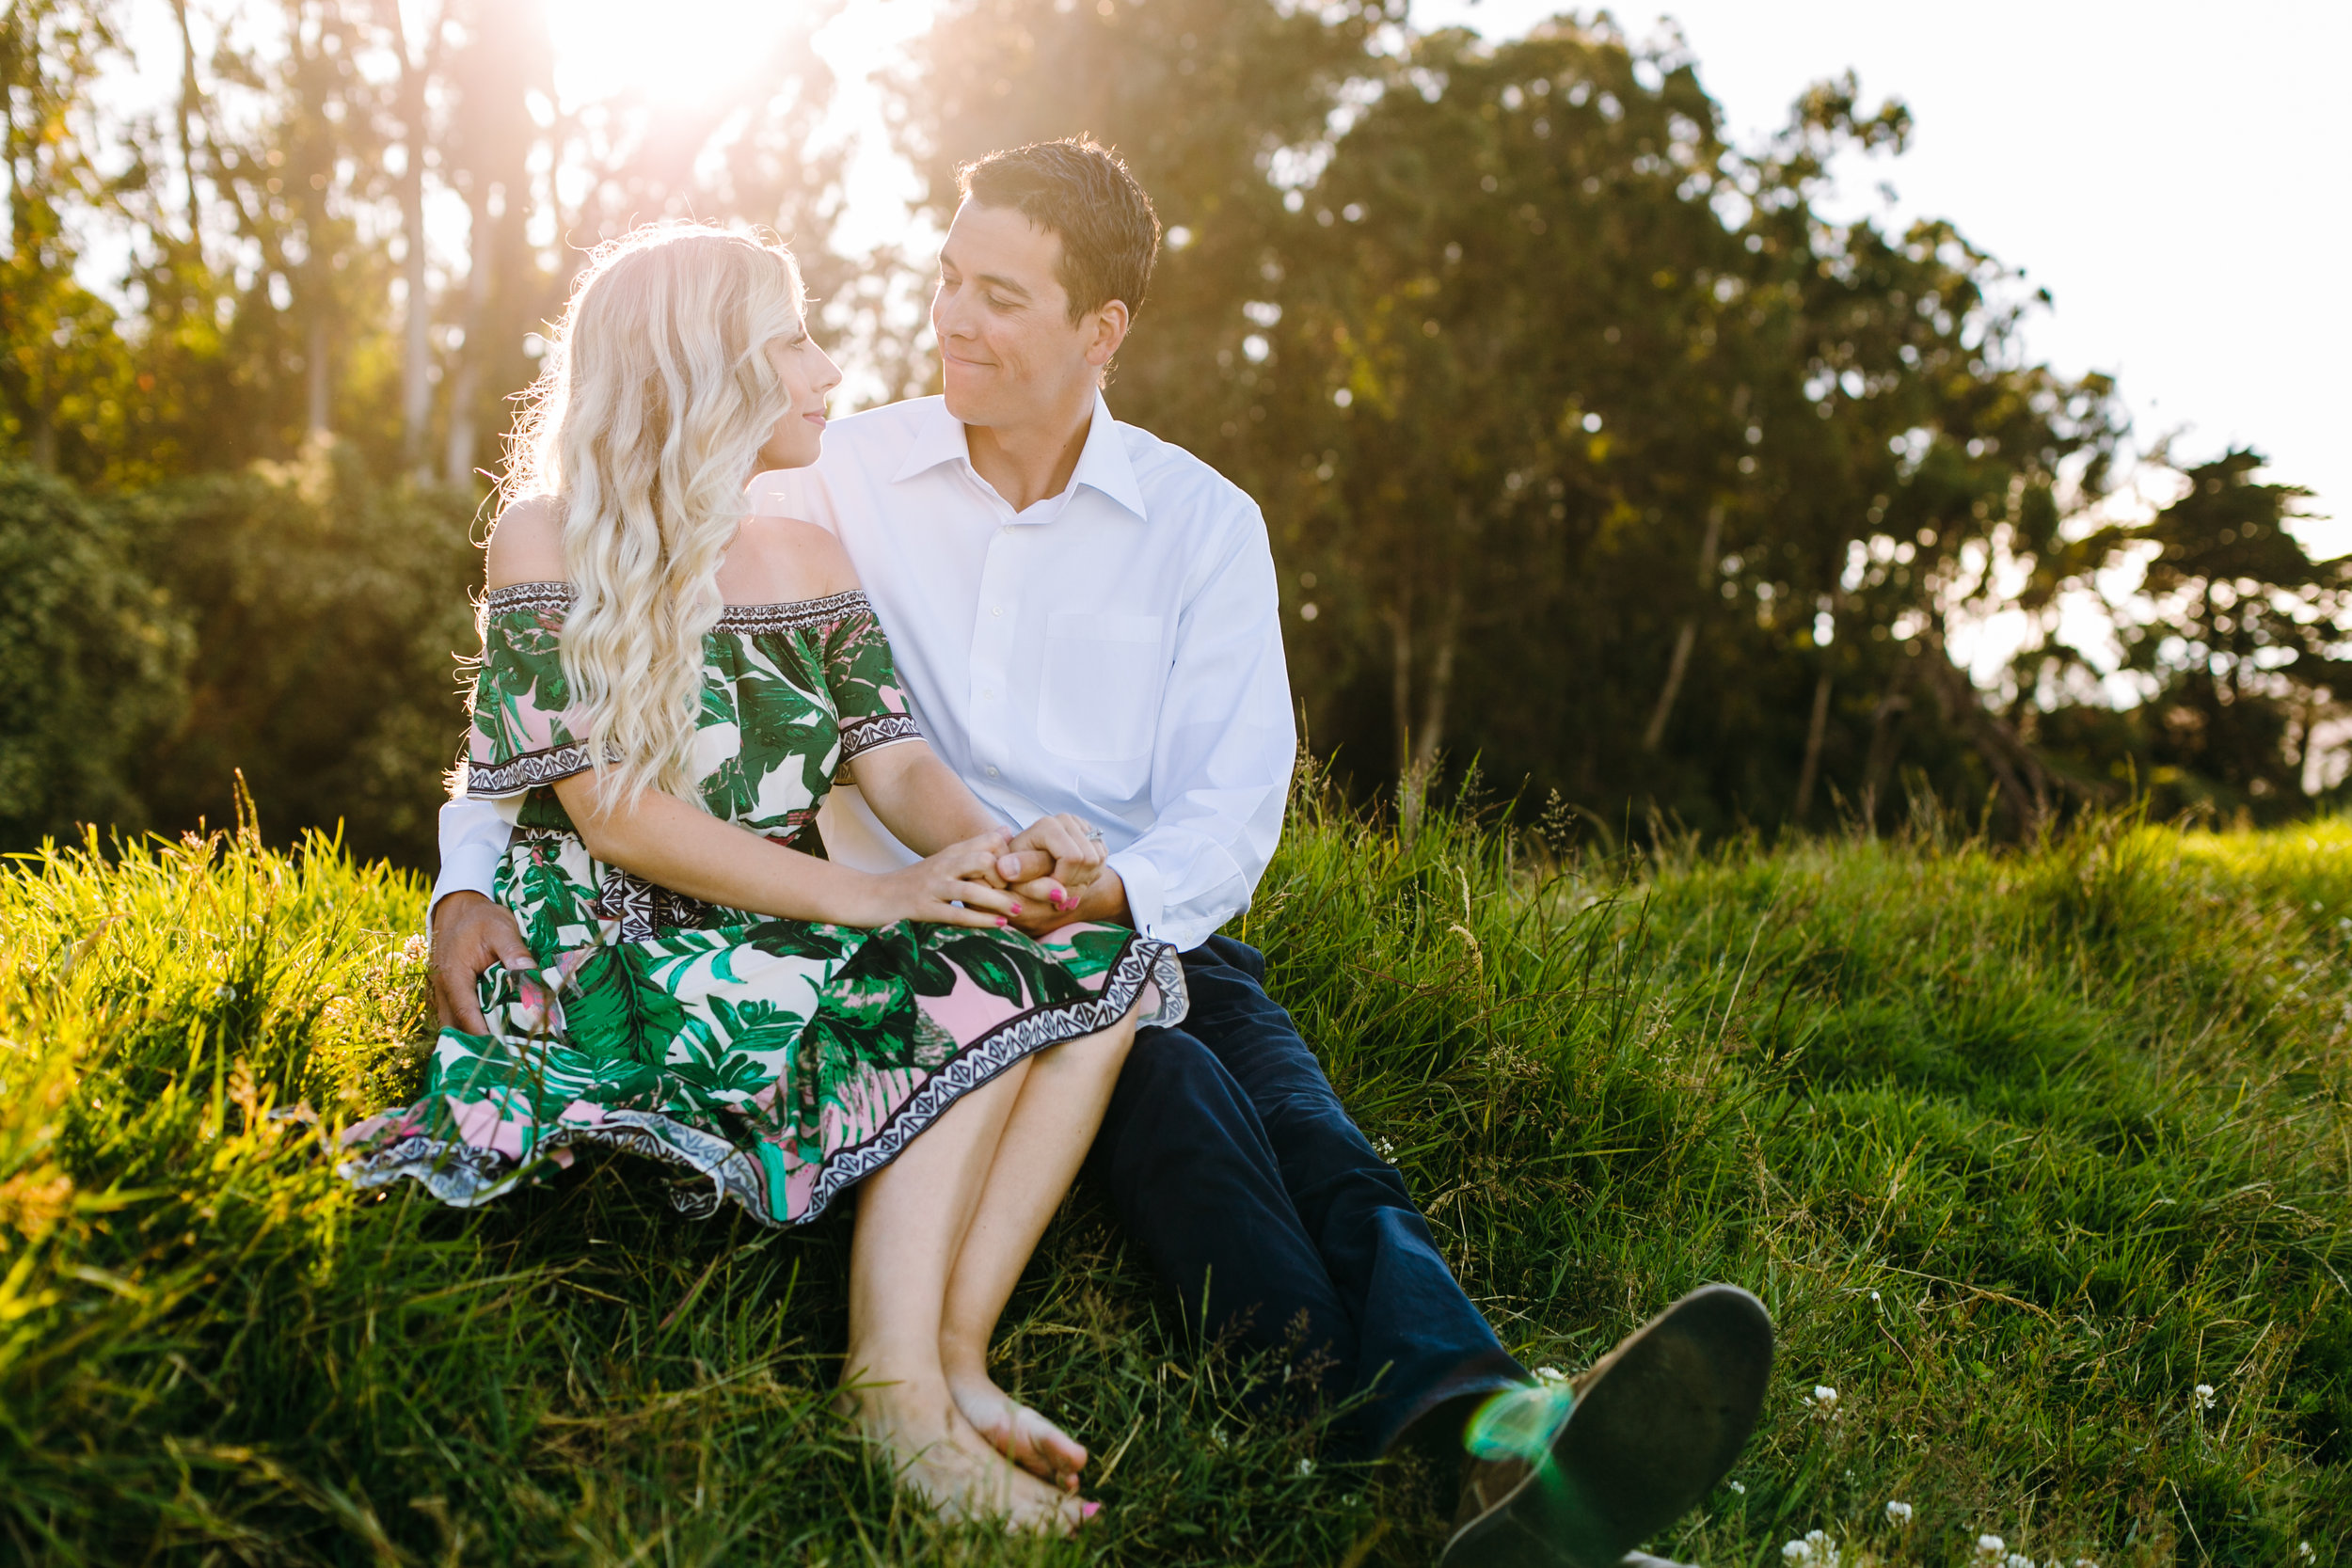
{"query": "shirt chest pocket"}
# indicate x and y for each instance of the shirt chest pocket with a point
(1099, 695)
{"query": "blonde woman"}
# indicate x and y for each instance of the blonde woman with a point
(666, 691)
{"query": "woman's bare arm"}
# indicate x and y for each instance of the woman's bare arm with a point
(918, 797)
(686, 850)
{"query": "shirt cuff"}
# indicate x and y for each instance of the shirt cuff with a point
(473, 839)
(1147, 894)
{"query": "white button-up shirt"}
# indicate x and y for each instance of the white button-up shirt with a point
(1114, 651)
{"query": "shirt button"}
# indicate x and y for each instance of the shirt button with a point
(996, 610)
(988, 693)
(992, 772)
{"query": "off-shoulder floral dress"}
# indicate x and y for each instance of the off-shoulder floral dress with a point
(770, 1061)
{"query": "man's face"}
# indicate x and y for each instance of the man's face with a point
(1009, 353)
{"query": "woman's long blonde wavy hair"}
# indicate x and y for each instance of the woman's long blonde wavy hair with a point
(646, 420)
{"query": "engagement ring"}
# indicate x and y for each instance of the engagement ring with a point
(1094, 835)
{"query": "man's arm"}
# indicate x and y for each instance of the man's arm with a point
(1222, 761)
(473, 840)
(1222, 755)
(470, 931)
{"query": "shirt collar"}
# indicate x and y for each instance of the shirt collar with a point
(1103, 461)
(938, 438)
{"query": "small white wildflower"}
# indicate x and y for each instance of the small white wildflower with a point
(2204, 1395)
(1874, 1296)
(1740, 1488)
(1306, 1467)
(2017, 1559)
(1991, 1545)
(1823, 1396)
(1550, 1374)
(224, 993)
(1386, 1147)
(1216, 1436)
(1824, 1549)
(2085, 1562)
(417, 949)
(1897, 1513)
(2303, 1549)
(1797, 1551)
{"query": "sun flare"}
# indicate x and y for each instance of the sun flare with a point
(677, 49)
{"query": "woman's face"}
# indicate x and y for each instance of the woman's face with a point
(808, 375)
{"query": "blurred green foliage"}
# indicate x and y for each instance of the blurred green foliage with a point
(92, 655)
(300, 624)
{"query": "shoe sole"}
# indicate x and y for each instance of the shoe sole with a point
(1647, 1441)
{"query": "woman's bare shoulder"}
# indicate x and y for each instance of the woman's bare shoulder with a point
(782, 560)
(527, 543)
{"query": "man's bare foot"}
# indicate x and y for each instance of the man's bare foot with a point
(1018, 1432)
(942, 1459)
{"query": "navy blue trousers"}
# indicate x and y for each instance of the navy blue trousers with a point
(1236, 1169)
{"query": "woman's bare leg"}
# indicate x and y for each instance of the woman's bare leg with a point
(1044, 1141)
(913, 1218)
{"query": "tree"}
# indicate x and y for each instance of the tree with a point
(91, 656)
(2242, 636)
(62, 378)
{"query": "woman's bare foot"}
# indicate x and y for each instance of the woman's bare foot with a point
(938, 1455)
(1017, 1432)
(1039, 1506)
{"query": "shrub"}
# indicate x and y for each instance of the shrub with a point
(329, 611)
(91, 656)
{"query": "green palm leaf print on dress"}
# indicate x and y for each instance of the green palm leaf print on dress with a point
(771, 1063)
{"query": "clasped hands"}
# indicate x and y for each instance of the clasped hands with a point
(1050, 874)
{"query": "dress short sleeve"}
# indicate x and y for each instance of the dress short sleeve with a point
(867, 701)
(522, 735)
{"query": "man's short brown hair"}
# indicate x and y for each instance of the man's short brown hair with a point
(1081, 191)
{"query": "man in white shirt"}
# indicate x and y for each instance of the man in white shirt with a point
(1085, 621)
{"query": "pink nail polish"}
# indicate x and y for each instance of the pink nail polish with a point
(1001, 921)
(1016, 908)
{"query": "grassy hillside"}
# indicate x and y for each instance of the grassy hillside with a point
(2023, 1150)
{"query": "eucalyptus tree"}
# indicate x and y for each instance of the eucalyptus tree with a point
(61, 382)
(1620, 433)
(2242, 639)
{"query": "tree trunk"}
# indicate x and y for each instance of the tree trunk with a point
(2017, 772)
(1813, 730)
(1433, 707)
(416, 385)
(187, 115)
(41, 441)
(1687, 635)
(1400, 619)
(322, 387)
(465, 380)
(1882, 754)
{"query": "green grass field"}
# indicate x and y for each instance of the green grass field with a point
(2021, 1148)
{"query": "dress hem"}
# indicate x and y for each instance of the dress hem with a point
(465, 1176)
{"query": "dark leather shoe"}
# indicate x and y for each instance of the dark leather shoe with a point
(1653, 1426)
